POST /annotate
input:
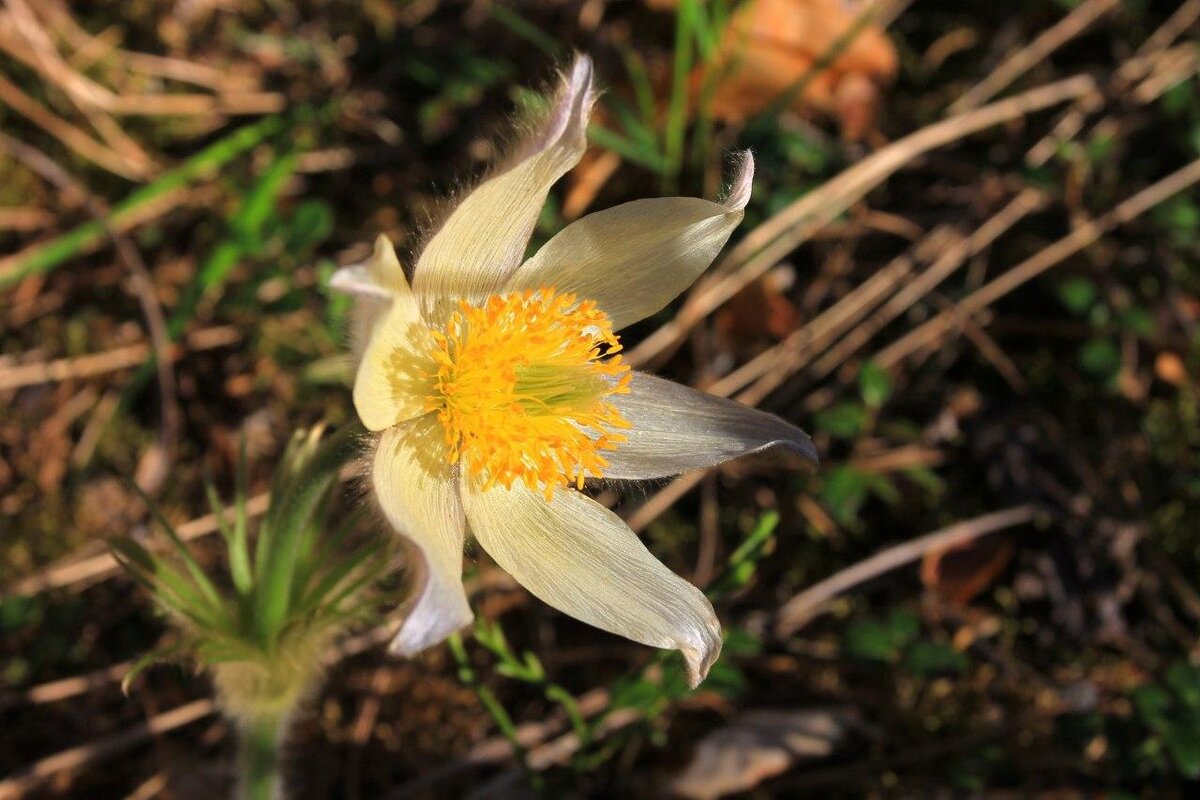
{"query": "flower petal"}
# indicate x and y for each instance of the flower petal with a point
(390, 386)
(420, 497)
(484, 239)
(579, 557)
(379, 276)
(676, 429)
(635, 258)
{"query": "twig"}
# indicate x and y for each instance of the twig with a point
(1035, 265)
(1036, 52)
(782, 233)
(118, 358)
(142, 282)
(20, 784)
(797, 612)
(1130, 71)
(104, 565)
(68, 134)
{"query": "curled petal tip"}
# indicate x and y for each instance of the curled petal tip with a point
(379, 276)
(423, 630)
(572, 106)
(701, 657)
(581, 76)
(743, 181)
(578, 96)
(580, 93)
(356, 279)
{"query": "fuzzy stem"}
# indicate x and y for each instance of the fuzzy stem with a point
(258, 759)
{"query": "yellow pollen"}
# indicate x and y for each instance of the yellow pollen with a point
(520, 387)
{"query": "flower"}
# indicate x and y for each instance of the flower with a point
(497, 388)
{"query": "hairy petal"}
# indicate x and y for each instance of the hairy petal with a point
(380, 276)
(392, 381)
(484, 239)
(371, 286)
(635, 258)
(419, 495)
(676, 429)
(579, 557)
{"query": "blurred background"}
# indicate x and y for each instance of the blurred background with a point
(969, 268)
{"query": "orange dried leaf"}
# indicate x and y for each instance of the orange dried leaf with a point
(772, 45)
(958, 574)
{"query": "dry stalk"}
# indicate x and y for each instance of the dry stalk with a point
(118, 358)
(104, 566)
(797, 612)
(1036, 52)
(936, 328)
(1128, 73)
(782, 233)
(103, 749)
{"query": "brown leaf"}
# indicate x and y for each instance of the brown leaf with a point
(771, 45)
(758, 314)
(958, 574)
(756, 746)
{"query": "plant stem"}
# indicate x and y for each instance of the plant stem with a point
(258, 760)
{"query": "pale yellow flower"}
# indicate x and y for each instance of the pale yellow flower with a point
(497, 389)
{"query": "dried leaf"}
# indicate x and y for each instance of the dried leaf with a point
(759, 314)
(958, 574)
(756, 746)
(771, 45)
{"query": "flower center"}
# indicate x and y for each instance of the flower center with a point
(520, 388)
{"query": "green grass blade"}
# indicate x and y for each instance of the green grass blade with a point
(526, 30)
(627, 149)
(643, 88)
(89, 234)
(245, 231)
(675, 132)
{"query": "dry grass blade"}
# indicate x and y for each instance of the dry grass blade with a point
(938, 327)
(498, 749)
(23, 38)
(71, 136)
(104, 566)
(1036, 52)
(1130, 71)
(782, 233)
(101, 750)
(950, 260)
(25, 219)
(118, 358)
(830, 323)
(89, 97)
(777, 364)
(140, 280)
(797, 612)
(552, 753)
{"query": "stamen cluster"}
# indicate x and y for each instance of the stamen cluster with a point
(520, 387)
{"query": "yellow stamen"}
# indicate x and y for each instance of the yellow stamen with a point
(520, 387)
